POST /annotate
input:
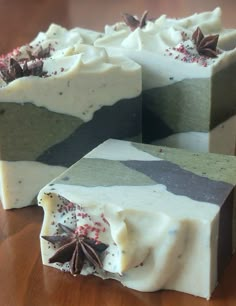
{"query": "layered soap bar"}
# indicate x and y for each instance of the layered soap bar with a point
(188, 78)
(59, 98)
(150, 217)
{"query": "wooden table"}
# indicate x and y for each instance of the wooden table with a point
(24, 281)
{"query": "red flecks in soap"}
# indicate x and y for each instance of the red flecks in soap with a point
(104, 219)
(187, 52)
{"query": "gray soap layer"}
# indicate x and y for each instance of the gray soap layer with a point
(183, 182)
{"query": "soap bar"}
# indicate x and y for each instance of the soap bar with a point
(188, 93)
(156, 218)
(59, 98)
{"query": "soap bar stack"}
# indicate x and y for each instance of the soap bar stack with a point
(188, 91)
(63, 94)
(59, 98)
(155, 218)
(150, 217)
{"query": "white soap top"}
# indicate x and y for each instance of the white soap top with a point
(165, 49)
(80, 78)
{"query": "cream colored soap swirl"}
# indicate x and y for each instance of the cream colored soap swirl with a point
(80, 80)
(165, 32)
(58, 39)
(157, 47)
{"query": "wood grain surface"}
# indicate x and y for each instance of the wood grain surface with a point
(24, 281)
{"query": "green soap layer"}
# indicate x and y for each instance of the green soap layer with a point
(213, 166)
(183, 106)
(27, 130)
(99, 172)
(195, 104)
(223, 91)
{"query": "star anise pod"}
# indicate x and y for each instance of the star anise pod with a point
(39, 53)
(205, 45)
(15, 71)
(133, 22)
(36, 68)
(75, 249)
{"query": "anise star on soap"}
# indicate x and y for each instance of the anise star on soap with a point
(133, 22)
(14, 70)
(39, 53)
(75, 249)
(205, 45)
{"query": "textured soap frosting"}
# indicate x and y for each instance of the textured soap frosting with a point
(164, 32)
(80, 78)
(156, 47)
(59, 39)
(130, 195)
